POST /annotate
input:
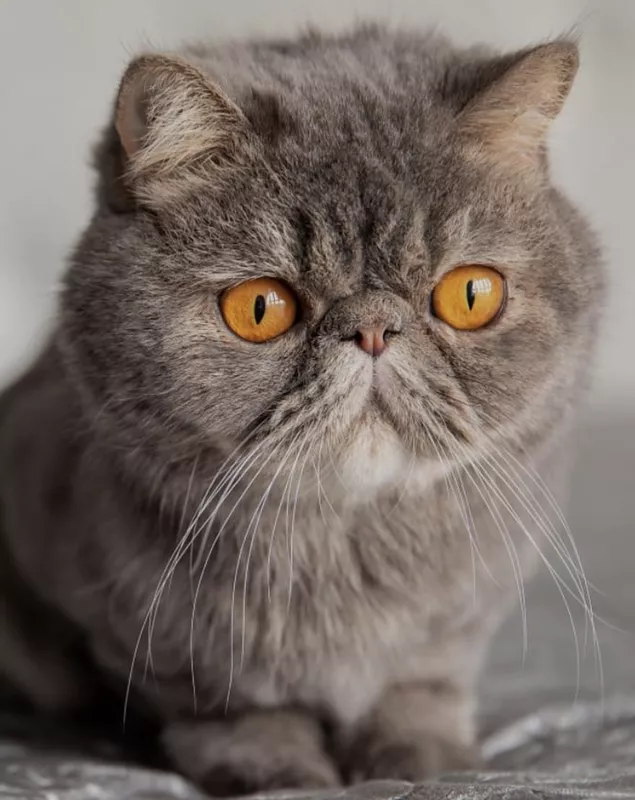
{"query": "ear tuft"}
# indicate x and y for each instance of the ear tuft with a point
(173, 122)
(509, 120)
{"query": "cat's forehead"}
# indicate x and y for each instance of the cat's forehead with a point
(358, 225)
(350, 195)
(357, 213)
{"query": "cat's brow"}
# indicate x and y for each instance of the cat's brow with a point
(305, 234)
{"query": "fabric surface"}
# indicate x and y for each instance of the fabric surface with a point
(557, 721)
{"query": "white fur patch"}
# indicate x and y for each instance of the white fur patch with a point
(375, 459)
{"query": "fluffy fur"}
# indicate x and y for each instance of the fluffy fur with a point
(291, 553)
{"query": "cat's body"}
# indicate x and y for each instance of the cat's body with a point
(350, 570)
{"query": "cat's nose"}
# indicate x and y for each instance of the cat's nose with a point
(372, 340)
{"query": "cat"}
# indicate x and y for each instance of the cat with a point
(270, 473)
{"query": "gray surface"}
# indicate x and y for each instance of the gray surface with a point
(550, 731)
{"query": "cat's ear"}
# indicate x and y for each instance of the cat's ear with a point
(174, 126)
(507, 122)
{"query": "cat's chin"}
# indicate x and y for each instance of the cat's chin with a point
(375, 459)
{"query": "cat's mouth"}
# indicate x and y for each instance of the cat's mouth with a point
(379, 379)
(378, 420)
(381, 392)
(380, 427)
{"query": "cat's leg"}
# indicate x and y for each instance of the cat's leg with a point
(417, 731)
(260, 750)
(37, 648)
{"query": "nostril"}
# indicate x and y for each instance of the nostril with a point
(368, 340)
(389, 333)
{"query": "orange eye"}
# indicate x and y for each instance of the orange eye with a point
(259, 310)
(469, 297)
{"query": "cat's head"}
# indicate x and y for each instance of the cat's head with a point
(339, 245)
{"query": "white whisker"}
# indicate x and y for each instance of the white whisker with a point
(563, 588)
(295, 508)
(211, 550)
(255, 521)
(512, 553)
(152, 611)
(573, 569)
(277, 517)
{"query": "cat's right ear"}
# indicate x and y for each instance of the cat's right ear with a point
(175, 127)
(506, 124)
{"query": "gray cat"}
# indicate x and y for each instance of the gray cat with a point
(275, 472)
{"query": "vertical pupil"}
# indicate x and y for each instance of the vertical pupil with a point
(471, 294)
(259, 309)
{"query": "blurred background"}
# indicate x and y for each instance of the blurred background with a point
(60, 61)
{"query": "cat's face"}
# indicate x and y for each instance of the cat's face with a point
(411, 299)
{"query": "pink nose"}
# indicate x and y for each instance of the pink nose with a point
(372, 340)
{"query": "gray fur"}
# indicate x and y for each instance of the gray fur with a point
(332, 602)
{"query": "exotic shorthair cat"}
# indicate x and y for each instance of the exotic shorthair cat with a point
(275, 476)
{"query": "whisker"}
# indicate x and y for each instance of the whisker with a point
(211, 550)
(316, 469)
(544, 525)
(454, 494)
(404, 490)
(563, 588)
(326, 497)
(229, 483)
(539, 482)
(179, 530)
(460, 495)
(277, 517)
(255, 520)
(187, 541)
(574, 570)
(156, 599)
(512, 553)
(295, 508)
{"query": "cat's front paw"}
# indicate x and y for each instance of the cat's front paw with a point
(427, 756)
(258, 752)
(245, 778)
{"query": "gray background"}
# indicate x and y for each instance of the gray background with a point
(60, 61)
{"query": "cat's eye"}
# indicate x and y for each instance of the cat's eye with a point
(259, 310)
(469, 297)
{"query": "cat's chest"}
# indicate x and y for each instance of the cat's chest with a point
(332, 644)
(342, 613)
(325, 611)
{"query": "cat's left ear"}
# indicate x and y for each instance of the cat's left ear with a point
(506, 124)
(175, 126)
